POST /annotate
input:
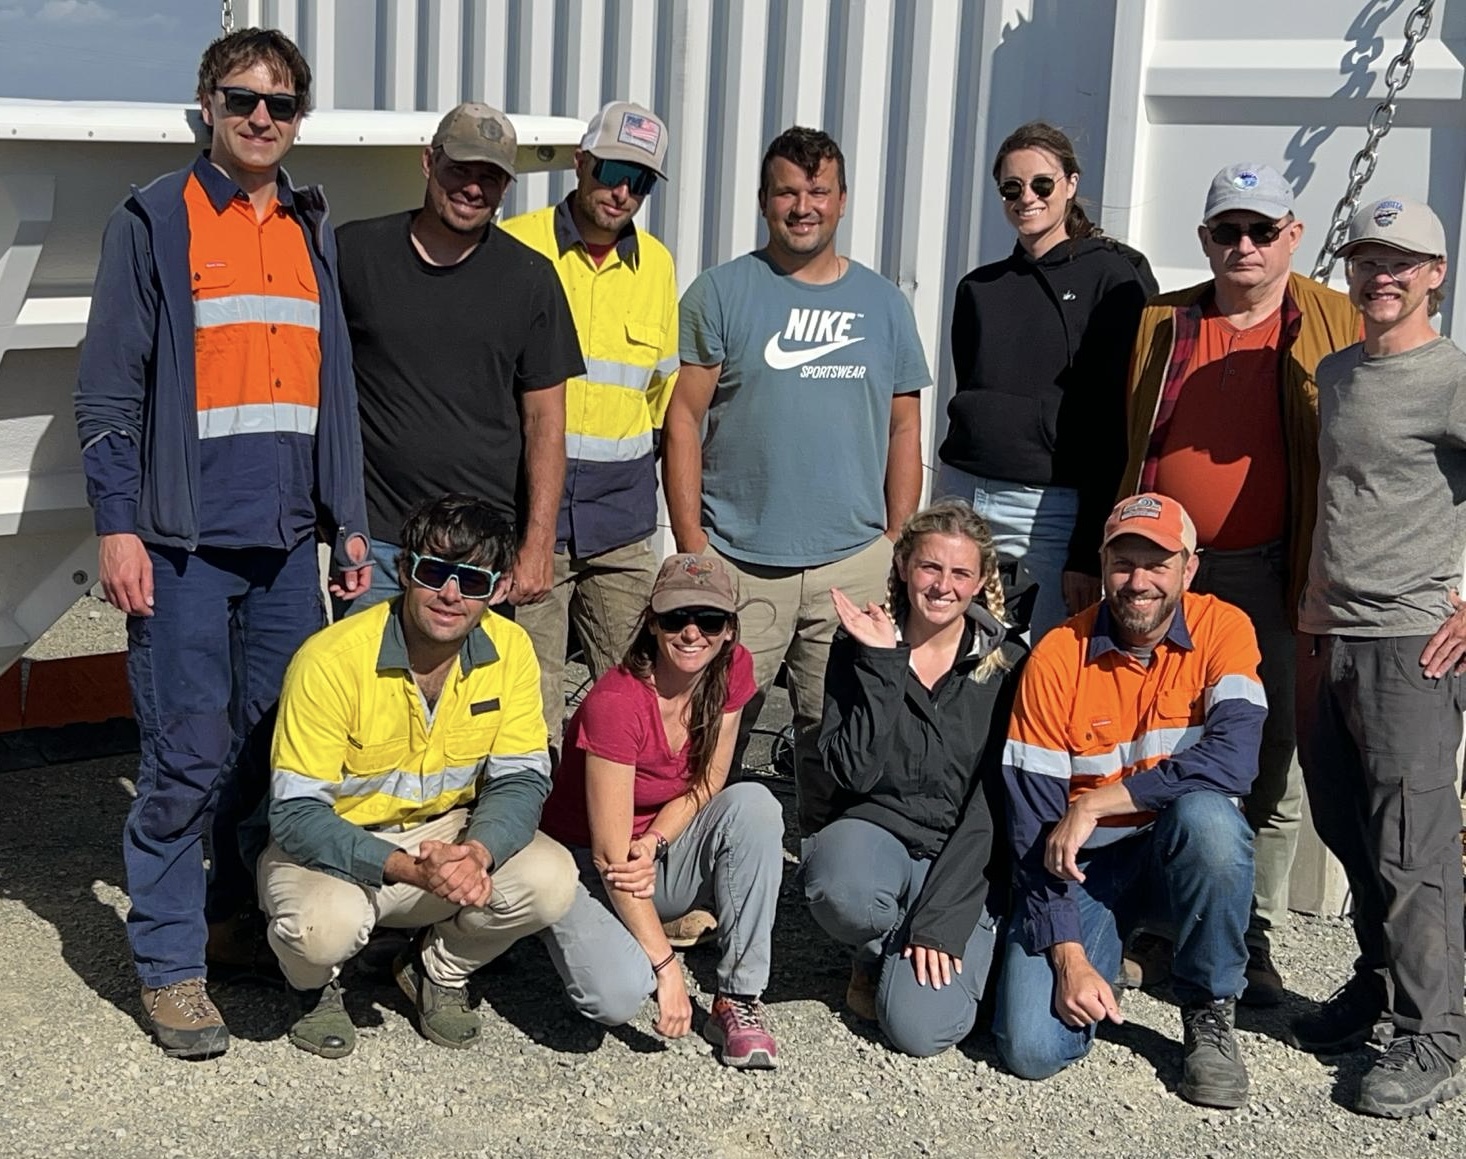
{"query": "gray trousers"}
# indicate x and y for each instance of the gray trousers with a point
(1255, 580)
(860, 883)
(728, 860)
(1378, 744)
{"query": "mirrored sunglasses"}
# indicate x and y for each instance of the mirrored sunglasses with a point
(474, 583)
(709, 621)
(638, 179)
(1012, 189)
(241, 102)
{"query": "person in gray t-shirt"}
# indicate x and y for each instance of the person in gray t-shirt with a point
(1382, 641)
(807, 368)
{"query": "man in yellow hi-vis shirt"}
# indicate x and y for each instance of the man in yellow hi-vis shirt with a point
(408, 772)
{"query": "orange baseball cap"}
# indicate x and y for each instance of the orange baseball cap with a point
(1157, 518)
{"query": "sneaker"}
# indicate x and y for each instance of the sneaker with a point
(443, 1015)
(1264, 983)
(860, 995)
(185, 1020)
(1213, 1074)
(1412, 1076)
(1344, 1022)
(322, 1025)
(740, 1027)
(694, 928)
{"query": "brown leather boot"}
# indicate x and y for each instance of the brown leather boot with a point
(185, 1020)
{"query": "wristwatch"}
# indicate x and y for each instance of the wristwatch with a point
(661, 854)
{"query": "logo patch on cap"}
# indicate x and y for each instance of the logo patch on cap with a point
(1143, 508)
(641, 132)
(490, 129)
(1245, 180)
(1386, 212)
(698, 569)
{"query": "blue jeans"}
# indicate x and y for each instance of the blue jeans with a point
(1028, 523)
(1199, 855)
(860, 883)
(205, 670)
(384, 581)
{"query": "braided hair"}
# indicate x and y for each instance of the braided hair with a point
(951, 517)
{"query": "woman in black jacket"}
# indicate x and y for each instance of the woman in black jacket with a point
(916, 714)
(1041, 348)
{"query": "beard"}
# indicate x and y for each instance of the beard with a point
(1141, 620)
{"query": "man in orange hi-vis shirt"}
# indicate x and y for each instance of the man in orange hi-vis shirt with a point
(1134, 736)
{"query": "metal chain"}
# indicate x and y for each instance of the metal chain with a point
(226, 16)
(1361, 169)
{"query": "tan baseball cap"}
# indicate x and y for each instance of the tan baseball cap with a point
(694, 581)
(623, 131)
(1399, 223)
(1155, 517)
(475, 132)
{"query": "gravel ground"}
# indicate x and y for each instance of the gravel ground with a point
(79, 1075)
(91, 625)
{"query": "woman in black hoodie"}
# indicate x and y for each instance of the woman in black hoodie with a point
(1041, 348)
(917, 698)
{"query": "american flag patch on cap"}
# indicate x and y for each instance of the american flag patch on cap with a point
(643, 132)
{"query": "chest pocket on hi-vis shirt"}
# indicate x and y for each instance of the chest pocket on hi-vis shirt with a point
(1179, 707)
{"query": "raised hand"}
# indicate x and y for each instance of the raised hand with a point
(869, 626)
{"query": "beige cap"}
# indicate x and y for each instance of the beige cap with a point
(623, 131)
(693, 581)
(475, 132)
(1399, 223)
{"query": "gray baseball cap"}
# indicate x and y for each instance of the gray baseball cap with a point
(1250, 186)
(475, 132)
(623, 131)
(1399, 223)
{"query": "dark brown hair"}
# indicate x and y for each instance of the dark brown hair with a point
(461, 528)
(251, 46)
(807, 148)
(1042, 135)
(709, 698)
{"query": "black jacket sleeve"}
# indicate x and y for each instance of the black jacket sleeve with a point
(956, 888)
(864, 690)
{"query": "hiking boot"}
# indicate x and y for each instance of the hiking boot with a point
(1343, 1022)
(322, 1025)
(694, 928)
(443, 1015)
(1412, 1076)
(1264, 983)
(1147, 961)
(739, 1026)
(185, 1021)
(1213, 1074)
(860, 995)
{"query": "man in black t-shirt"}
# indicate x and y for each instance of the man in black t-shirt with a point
(462, 341)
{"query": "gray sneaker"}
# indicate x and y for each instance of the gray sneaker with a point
(443, 1015)
(322, 1025)
(1412, 1076)
(185, 1020)
(1213, 1073)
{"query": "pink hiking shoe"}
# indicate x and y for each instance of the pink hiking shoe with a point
(740, 1027)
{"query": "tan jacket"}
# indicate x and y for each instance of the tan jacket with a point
(1316, 321)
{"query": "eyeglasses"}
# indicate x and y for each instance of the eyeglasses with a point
(241, 102)
(474, 583)
(1259, 233)
(1012, 188)
(1400, 269)
(709, 621)
(638, 179)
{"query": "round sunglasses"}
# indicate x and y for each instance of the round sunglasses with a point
(474, 583)
(1012, 188)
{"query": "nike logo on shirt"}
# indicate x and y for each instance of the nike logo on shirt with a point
(780, 359)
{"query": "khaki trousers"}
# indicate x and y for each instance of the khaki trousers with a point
(797, 631)
(318, 922)
(605, 595)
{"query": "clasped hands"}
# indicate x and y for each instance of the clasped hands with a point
(456, 872)
(637, 875)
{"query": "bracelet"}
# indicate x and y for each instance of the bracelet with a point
(665, 962)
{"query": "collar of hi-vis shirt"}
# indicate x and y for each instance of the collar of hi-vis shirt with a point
(567, 235)
(1104, 641)
(222, 189)
(475, 651)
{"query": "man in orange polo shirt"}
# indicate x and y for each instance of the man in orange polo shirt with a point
(219, 437)
(1224, 418)
(1134, 734)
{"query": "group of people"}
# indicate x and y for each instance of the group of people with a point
(1044, 727)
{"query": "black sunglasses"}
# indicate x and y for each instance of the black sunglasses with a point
(241, 102)
(709, 621)
(1260, 233)
(474, 583)
(638, 179)
(1012, 189)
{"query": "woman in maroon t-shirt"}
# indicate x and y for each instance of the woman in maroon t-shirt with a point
(641, 799)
